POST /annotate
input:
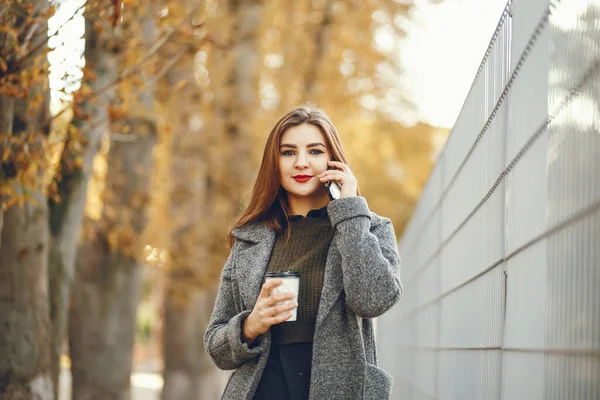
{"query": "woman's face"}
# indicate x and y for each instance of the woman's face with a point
(303, 154)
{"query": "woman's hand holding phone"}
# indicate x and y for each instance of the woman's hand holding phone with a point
(342, 174)
(270, 309)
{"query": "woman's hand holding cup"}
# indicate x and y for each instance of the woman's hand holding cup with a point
(270, 309)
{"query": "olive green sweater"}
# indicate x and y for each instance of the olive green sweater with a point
(306, 253)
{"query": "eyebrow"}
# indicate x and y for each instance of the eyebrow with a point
(293, 146)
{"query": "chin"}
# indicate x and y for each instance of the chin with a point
(304, 193)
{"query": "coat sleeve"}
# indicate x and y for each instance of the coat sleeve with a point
(223, 337)
(370, 260)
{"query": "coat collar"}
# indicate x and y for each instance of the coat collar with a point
(251, 259)
(255, 232)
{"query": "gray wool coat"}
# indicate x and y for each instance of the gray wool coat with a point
(362, 281)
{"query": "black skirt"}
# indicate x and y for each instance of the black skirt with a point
(287, 373)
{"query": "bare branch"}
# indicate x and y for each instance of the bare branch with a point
(120, 137)
(46, 39)
(207, 39)
(160, 43)
(174, 60)
(67, 21)
(33, 28)
(30, 34)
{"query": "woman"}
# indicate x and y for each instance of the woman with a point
(349, 273)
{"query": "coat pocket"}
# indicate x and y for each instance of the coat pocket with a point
(378, 383)
(236, 295)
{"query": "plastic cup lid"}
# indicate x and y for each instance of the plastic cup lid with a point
(283, 274)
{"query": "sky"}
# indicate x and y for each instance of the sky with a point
(70, 44)
(443, 48)
(439, 56)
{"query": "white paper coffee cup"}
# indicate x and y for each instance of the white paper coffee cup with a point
(291, 284)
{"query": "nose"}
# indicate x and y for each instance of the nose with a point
(301, 161)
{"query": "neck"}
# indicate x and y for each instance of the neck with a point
(302, 205)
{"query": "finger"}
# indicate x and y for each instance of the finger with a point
(280, 318)
(268, 306)
(331, 172)
(277, 297)
(267, 303)
(341, 165)
(284, 307)
(272, 283)
(335, 176)
(265, 291)
(267, 313)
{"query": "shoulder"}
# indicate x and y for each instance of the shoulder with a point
(254, 232)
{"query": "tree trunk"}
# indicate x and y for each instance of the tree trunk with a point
(24, 239)
(24, 322)
(66, 216)
(102, 320)
(231, 169)
(7, 109)
(321, 42)
(105, 296)
(238, 111)
(286, 75)
(185, 362)
(106, 293)
(190, 375)
(199, 250)
(6, 121)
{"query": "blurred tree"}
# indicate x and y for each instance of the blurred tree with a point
(105, 296)
(24, 240)
(321, 42)
(211, 156)
(83, 139)
(392, 163)
(235, 88)
(187, 211)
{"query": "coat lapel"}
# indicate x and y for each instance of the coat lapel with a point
(333, 283)
(251, 261)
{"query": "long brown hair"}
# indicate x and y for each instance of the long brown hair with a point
(268, 202)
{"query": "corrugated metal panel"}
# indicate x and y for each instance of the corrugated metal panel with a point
(501, 259)
(572, 345)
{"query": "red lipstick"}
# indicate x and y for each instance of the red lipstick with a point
(302, 178)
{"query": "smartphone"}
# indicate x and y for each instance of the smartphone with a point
(334, 189)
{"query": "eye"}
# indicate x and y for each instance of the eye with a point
(287, 153)
(316, 152)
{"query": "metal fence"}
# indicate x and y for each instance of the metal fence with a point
(501, 259)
